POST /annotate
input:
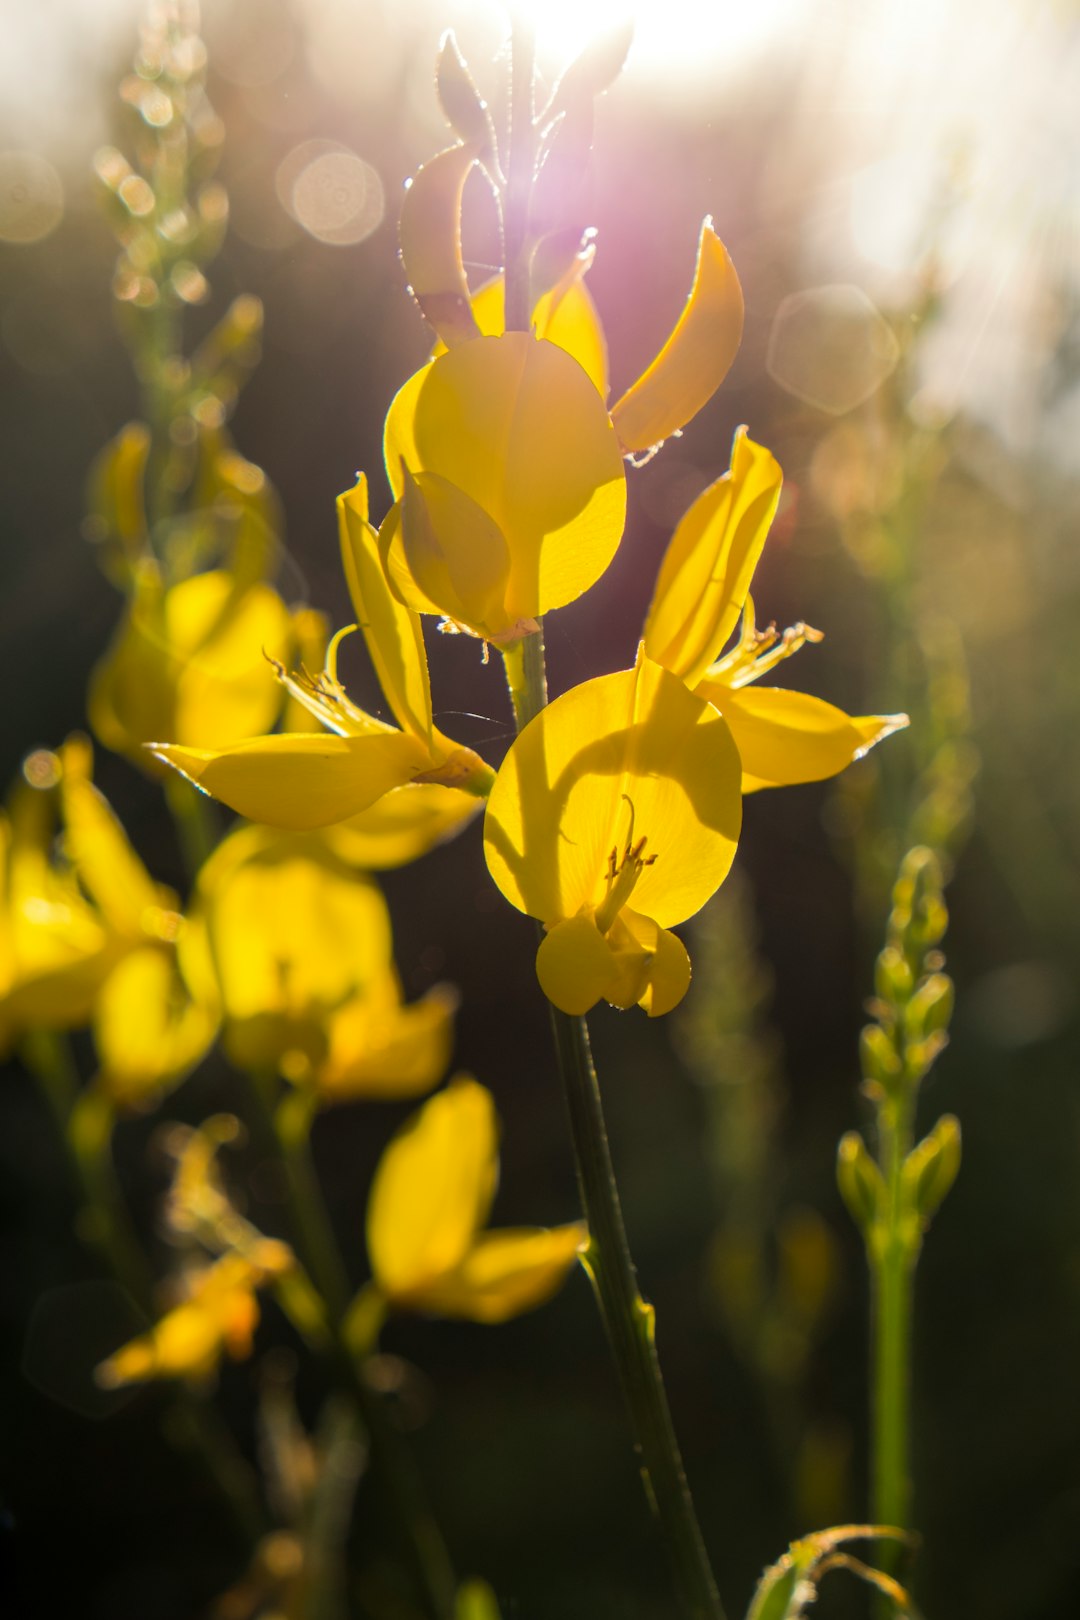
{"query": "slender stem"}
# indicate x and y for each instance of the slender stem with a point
(290, 1122)
(193, 817)
(519, 179)
(630, 1324)
(84, 1121)
(893, 1260)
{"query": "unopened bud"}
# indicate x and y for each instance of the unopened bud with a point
(861, 1183)
(931, 1168)
(880, 1063)
(930, 1008)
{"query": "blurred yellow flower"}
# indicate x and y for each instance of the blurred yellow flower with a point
(302, 949)
(190, 662)
(68, 915)
(302, 780)
(218, 1317)
(614, 816)
(783, 737)
(430, 1199)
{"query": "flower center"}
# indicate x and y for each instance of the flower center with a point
(622, 876)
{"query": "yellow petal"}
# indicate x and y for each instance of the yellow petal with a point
(432, 1190)
(299, 780)
(147, 1029)
(431, 242)
(393, 633)
(695, 359)
(786, 737)
(97, 844)
(403, 825)
(295, 933)
(187, 1343)
(507, 1272)
(707, 568)
(514, 423)
(380, 1050)
(575, 964)
(456, 553)
(633, 743)
(669, 967)
(566, 316)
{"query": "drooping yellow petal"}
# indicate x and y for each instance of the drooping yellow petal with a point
(707, 568)
(506, 1273)
(431, 242)
(432, 1191)
(148, 1030)
(378, 1048)
(514, 422)
(403, 825)
(785, 737)
(668, 977)
(455, 552)
(575, 964)
(392, 631)
(618, 758)
(294, 933)
(97, 844)
(300, 780)
(695, 359)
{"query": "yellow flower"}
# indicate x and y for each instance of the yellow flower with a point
(430, 1199)
(509, 485)
(68, 918)
(302, 780)
(302, 949)
(189, 662)
(614, 816)
(150, 1030)
(218, 1318)
(783, 737)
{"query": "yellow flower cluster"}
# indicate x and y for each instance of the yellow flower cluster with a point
(617, 812)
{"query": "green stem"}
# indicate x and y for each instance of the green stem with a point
(84, 1121)
(630, 1324)
(193, 818)
(290, 1121)
(519, 176)
(893, 1260)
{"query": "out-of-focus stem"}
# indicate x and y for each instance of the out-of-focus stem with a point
(893, 1259)
(290, 1121)
(519, 176)
(84, 1121)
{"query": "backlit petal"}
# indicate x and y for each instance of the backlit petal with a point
(393, 633)
(507, 1272)
(387, 1050)
(565, 316)
(403, 825)
(706, 572)
(635, 743)
(455, 552)
(147, 1029)
(669, 966)
(695, 359)
(785, 737)
(301, 781)
(431, 242)
(98, 846)
(432, 1190)
(517, 425)
(575, 964)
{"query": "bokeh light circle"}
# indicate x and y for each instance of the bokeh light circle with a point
(31, 197)
(335, 195)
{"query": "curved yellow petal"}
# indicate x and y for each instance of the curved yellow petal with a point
(299, 780)
(506, 1273)
(635, 745)
(430, 233)
(515, 423)
(456, 553)
(403, 825)
(432, 1190)
(387, 1051)
(393, 633)
(695, 359)
(575, 964)
(148, 1031)
(785, 737)
(566, 316)
(669, 970)
(707, 568)
(99, 848)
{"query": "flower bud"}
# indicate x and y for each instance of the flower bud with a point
(931, 1168)
(861, 1183)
